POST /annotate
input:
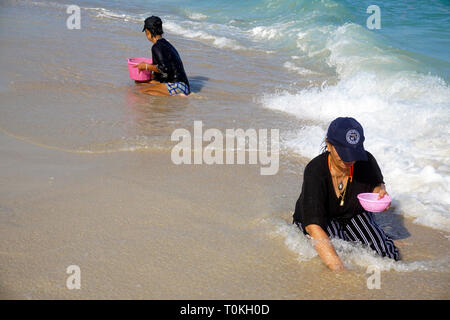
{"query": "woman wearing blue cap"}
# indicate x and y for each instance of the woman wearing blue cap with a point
(328, 206)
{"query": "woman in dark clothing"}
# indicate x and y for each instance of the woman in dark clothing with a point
(328, 206)
(169, 75)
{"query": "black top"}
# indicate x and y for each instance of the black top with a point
(168, 61)
(318, 202)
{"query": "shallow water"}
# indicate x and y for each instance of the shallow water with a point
(69, 90)
(293, 66)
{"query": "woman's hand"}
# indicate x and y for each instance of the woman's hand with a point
(141, 66)
(337, 267)
(381, 190)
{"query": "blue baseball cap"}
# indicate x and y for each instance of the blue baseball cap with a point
(347, 137)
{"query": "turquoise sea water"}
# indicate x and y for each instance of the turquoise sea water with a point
(415, 32)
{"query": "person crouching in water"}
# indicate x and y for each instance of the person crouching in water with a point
(169, 75)
(328, 206)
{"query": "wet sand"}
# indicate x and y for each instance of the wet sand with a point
(140, 227)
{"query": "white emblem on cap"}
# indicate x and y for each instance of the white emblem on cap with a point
(352, 136)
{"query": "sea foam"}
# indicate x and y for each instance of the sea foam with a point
(405, 115)
(353, 255)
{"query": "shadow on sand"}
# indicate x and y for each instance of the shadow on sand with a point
(197, 83)
(392, 224)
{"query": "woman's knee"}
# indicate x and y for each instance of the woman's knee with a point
(156, 90)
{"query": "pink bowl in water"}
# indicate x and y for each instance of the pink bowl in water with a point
(371, 203)
(134, 73)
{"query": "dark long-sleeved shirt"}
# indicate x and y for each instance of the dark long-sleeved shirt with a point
(168, 62)
(318, 202)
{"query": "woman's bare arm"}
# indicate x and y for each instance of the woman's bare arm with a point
(324, 248)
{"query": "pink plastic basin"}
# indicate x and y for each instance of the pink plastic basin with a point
(144, 75)
(371, 203)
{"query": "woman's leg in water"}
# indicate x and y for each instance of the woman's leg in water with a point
(155, 89)
(141, 83)
(363, 228)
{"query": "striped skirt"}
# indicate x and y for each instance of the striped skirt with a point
(362, 228)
